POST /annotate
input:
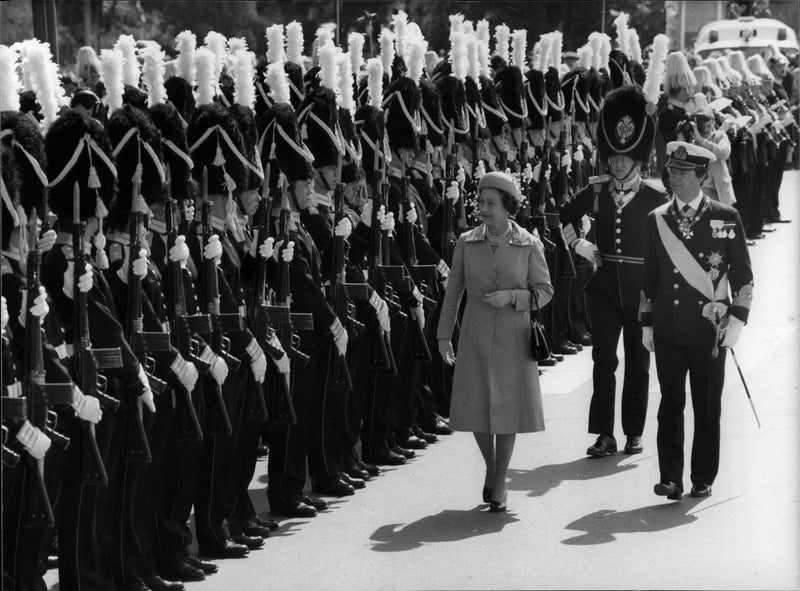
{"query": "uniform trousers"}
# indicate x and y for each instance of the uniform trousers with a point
(608, 320)
(706, 379)
(359, 359)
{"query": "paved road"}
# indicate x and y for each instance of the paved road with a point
(576, 522)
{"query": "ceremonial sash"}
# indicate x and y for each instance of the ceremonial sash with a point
(688, 266)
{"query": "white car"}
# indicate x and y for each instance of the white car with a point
(748, 34)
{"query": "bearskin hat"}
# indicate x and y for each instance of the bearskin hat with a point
(474, 103)
(320, 129)
(618, 64)
(179, 92)
(555, 100)
(495, 117)
(536, 99)
(575, 87)
(430, 110)
(352, 144)
(166, 118)
(294, 164)
(60, 144)
(245, 118)
(134, 97)
(454, 102)
(29, 160)
(401, 123)
(509, 92)
(624, 126)
(10, 181)
(369, 122)
(295, 74)
(215, 148)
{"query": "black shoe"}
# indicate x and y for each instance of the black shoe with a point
(261, 522)
(584, 339)
(440, 427)
(384, 457)
(564, 349)
(207, 567)
(604, 446)
(228, 549)
(701, 490)
(333, 488)
(252, 542)
(183, 571)
(296, 508)
(427, 437)
(135, 586)
(316, 502)
(751, 242)
(371, 469)
(353, 471)
(498, 506)
(780, 221)
(356, 483)
(156, 583)
(262, 451)
(549, 362)
(557, 356)
(251, 528)
(487, 495)
(577, 346)
(406, 453)
(669, 490)
(633, 445)
(412, 442)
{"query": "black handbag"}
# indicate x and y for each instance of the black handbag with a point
(540, 350)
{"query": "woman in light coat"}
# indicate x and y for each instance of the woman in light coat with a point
(496, 386)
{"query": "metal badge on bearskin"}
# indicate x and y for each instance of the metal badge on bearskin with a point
(625, 129)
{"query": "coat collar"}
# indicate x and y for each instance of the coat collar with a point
(519, 236)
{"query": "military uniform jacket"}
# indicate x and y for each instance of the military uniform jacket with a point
(690, 273)
(619, 235)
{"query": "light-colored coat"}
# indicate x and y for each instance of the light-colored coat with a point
(718, 184)
(496, 384)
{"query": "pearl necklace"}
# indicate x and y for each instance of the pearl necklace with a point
(496, 239)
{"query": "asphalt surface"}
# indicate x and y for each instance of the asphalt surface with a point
(575, 522)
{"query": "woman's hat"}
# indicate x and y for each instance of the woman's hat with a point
(500, 181)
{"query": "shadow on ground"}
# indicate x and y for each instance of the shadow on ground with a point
(545, 478)
(448, 526)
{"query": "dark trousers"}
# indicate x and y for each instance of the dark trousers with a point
(359, 356)
(608, 320)
(706, 379)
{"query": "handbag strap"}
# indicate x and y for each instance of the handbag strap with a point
(534, 301)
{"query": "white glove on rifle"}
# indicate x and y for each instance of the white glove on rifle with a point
(381, 311)
(527, 174)
(213, 249)
(411, 214)
(587, 250)
(3, 313)
(339, 337)
(366, 213)
(85, 281)
(39, 307)
(87, 408)
(388, 222)
(46, 241)
(33, 440)
(647, 338)
(179, 253)
(186, 371)
(219, 369)
(139, 266)
(287, 254)
(343, 228)
(480, 170)
(452, 193)
(147, 395)
(267, 248)
(446, 351)
(461, 176)
(258, 361)
(419, 315)
(283, 364)
(732, 332)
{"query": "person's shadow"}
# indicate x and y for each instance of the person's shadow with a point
(447, 526)
(545, 478)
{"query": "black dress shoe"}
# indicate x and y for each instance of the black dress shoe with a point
(564, 349)
(780, 221)
(498, 506)
(751, 242)
(412, 442)
(557, 356)
(577, 346)
(701, 490)
(295, 508)
(183, 571)
(135, 586)
(427, 437)
(316, 502)
(156, 583)
(228, 549)
(252, 542)
(251, 528)
(604, 446)
(356, 483)
(355, 472)
(669, 490)
(261, 522)
(487, 495)
(633, 445)
(549, 362)
(206, 566)
(440, 427)
(584, 339)
(333, 487)
(371, 469)
(406, 453)
(384, 457)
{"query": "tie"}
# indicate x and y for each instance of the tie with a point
(687, 211)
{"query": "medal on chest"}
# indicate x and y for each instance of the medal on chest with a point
(721, 229)
(714, 261)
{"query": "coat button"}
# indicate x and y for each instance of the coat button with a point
(619, 231)
(700, 254)
(675, 286)
(619, 221)
(619, 251)
(700, 303)
(619, 240)
(675, 271)
(676, 302)
(619, 212)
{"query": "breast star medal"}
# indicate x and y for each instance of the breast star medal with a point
(714, 260)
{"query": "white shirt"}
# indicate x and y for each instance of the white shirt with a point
(694, 204)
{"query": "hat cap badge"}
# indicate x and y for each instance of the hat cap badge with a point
(625, 129)
(680, 153)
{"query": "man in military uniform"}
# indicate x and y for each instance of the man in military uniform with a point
(694, 250)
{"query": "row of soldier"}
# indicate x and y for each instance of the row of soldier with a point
(259, 255)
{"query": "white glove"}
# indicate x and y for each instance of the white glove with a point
(147, 395)
(86, 407)
(452, 193)
(586, 225)
(186, 371)
(179, 253)
(480, 170)
(258, 361)
(586, 249)
(140, 264)
(537, 172)
(283, 364)
(85, 281)
(287, 254)
(3, 313)
(411, 214)
(33, 440)
(461, 176)
(388, 222)
(39, 307)
(419, 315)
(46, 241)
(382, 311)
(99, 242)
(366, 213)
(213, 249)
(578, 155)
(343, 228)
(647, 338)
(340, 337)
(566, 160)
(527, 174)
(732, 332)
(446, 351)
(219, 369)
(267, 248)
(498, 299)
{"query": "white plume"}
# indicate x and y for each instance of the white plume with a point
(21, 48)
(355, 49)
(541, 60)
(605, 50)
(236, 44)
(501, 36)
(375, 81)
(45, 81)
(585, 56)
(519, 48)
(205, 67)
(278, 82)
(482, 31)
(9, 81)
(634, 47)
(459, 61)
(416, 47)
(468, 28)
(431, 60)
(275, 41)
(186, 44)
(130, 64)
(345, 94)
(328, 72)
(621, 25)
(473, 58)
(243, 72)
(456, 22)
(294, 43)
(556, 44)
(483, 58)
(217, 43)
(111, 75)
(399, 24)
(387, 50)
(595, 42)
(153, 75)
(655, 70)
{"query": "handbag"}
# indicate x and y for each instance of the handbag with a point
(540, 350)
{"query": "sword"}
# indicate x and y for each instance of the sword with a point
(746, 389)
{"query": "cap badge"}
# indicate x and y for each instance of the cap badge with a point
(680, 153)
(625, 129)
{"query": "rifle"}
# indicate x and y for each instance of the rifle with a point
(188, 423)
(10, 457)
(568, 269)
(449, 237)
(87, 361)
(37, 394)
(538, 218)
